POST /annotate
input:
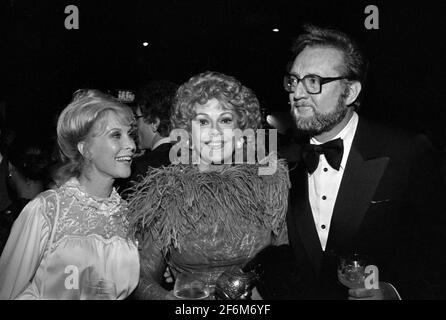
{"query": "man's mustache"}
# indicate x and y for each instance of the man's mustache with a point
(301, 104)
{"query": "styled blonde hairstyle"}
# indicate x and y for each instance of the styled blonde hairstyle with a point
(76, 122)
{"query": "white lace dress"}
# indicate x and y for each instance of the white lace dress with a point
(64, 242)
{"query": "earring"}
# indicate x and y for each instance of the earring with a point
(239, 144)
(190, 145)
(87, 155)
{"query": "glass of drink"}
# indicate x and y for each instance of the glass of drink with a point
(351, 270)
(94, 286)
(100, 289)
(191, 286)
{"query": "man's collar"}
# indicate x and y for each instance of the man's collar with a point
(347, 135)
(346, 132)
(160, 142)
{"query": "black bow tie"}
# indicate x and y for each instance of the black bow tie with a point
(333, 151)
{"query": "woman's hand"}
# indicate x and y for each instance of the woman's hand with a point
(168, 278)
(171, 296)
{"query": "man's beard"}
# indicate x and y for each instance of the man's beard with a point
(322, 122)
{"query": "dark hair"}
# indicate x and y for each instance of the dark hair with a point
(355, 63)
(226, 89)
(155, 100)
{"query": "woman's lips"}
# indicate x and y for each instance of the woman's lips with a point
(215, 145)
(124, 159)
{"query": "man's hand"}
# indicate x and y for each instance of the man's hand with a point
(385, 292)
(255, 295)
(171, 296)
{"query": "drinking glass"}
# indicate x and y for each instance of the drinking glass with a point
(93, 286)
(100, 289)
(191, 286)
(351, 270)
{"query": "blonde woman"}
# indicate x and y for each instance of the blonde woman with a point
(71, 242)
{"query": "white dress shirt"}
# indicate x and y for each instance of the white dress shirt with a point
(324, 182)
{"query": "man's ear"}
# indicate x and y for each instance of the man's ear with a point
(156, 123)
(354, 88)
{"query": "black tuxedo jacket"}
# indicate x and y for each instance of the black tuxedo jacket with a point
(390, 206)
(155, 158)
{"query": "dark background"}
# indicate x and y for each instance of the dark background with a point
(42, 63)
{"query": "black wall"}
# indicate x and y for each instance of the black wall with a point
(42, 63)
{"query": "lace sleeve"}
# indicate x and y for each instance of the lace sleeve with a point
(152, 269)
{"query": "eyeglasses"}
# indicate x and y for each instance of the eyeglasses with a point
(312, 83)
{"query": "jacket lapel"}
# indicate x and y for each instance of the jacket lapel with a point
(362, 174)
(365, 166)
(302, 217)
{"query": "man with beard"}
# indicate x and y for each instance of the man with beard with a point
(359, 187)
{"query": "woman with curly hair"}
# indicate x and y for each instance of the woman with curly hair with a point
(211, 215)
(72, 242)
